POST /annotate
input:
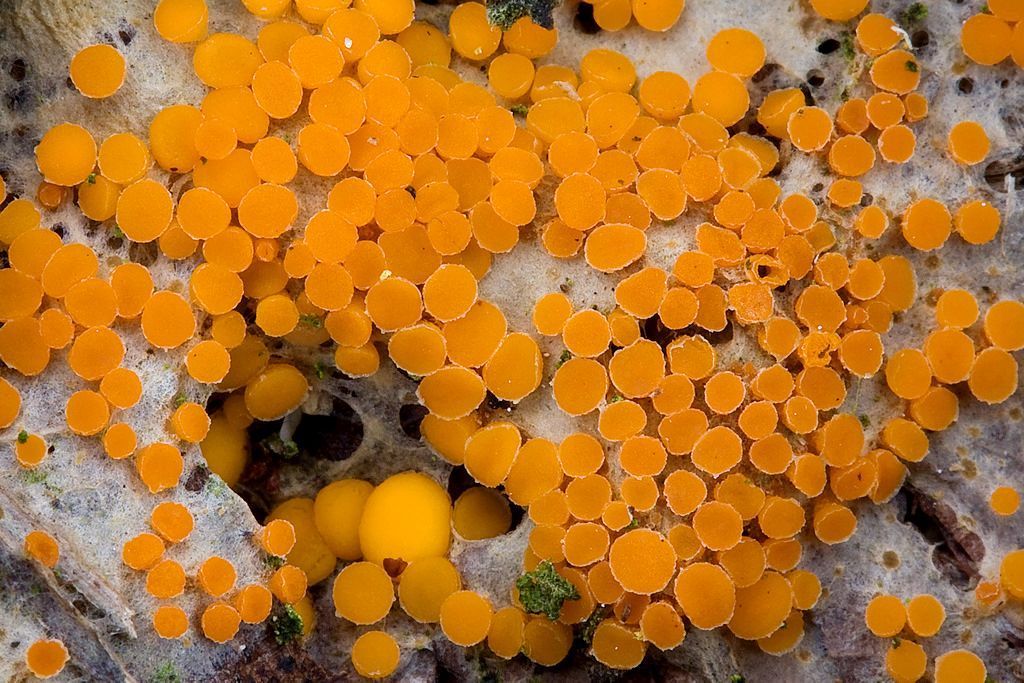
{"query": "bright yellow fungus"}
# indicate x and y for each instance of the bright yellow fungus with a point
(406, 517)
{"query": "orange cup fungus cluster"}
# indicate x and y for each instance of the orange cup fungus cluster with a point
(652, 15)
(887, 616)
(685, 506)
(995, 33)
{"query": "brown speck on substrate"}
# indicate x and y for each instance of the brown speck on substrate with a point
(890, 559)
(970, 469)
(197, 479)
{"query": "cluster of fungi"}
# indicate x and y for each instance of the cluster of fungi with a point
(682, 501)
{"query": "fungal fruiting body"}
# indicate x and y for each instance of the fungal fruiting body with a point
(689, 481)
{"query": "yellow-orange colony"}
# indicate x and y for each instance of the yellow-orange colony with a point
(685, 495)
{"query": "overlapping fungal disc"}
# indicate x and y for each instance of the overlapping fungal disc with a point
(46, 658)
(433, 177)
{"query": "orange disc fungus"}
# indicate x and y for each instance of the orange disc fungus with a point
(959, 665)
(993, 376)
(466, 617)
(925, 615)
(170, 621)
(166, 579)
(481, 513)
(220, 622)
(87, 412)
(66, 155)
(216, 576)
(289, 584)
(29, 449)
(42, 547)
(363, 593)
(46, 658)
(172, 521)
(1004, 501)
(278, 537)
(762, 607)
(886, 615)
(253, 603)
(514, 370)
(1011, 573)
(181, 21)
(617, 646)
(167, 320)
(424, 585)
(97, 71)
(375, 655)
(706, 595)
(160, 466)
(1004, 325)
(985, 39)
(142, 551)
(407, 516)
(275, 392)
(905, 660)
(507, 633)
(433, 179)
(642, 561)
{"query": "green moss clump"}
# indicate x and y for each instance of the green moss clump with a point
(543, 590)
(504, 13)
(915, 13)
(286, 625)
(166, 673)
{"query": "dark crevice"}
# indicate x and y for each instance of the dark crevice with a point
(126, 33)
(958, 551)
(272, 662)
(722, 336)
(655, 331)
(330, 437)
(755, 128)
(764, 72)
(997, 171)
(828, 46)
(17, 70)
(808, 97)
(495, 403)
(1012, 636)
(18, 98)
(410, 416)
(459, 481)
(584, 20)
(197, 479)
(260, 480)
(143, 253)
(518, 514)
